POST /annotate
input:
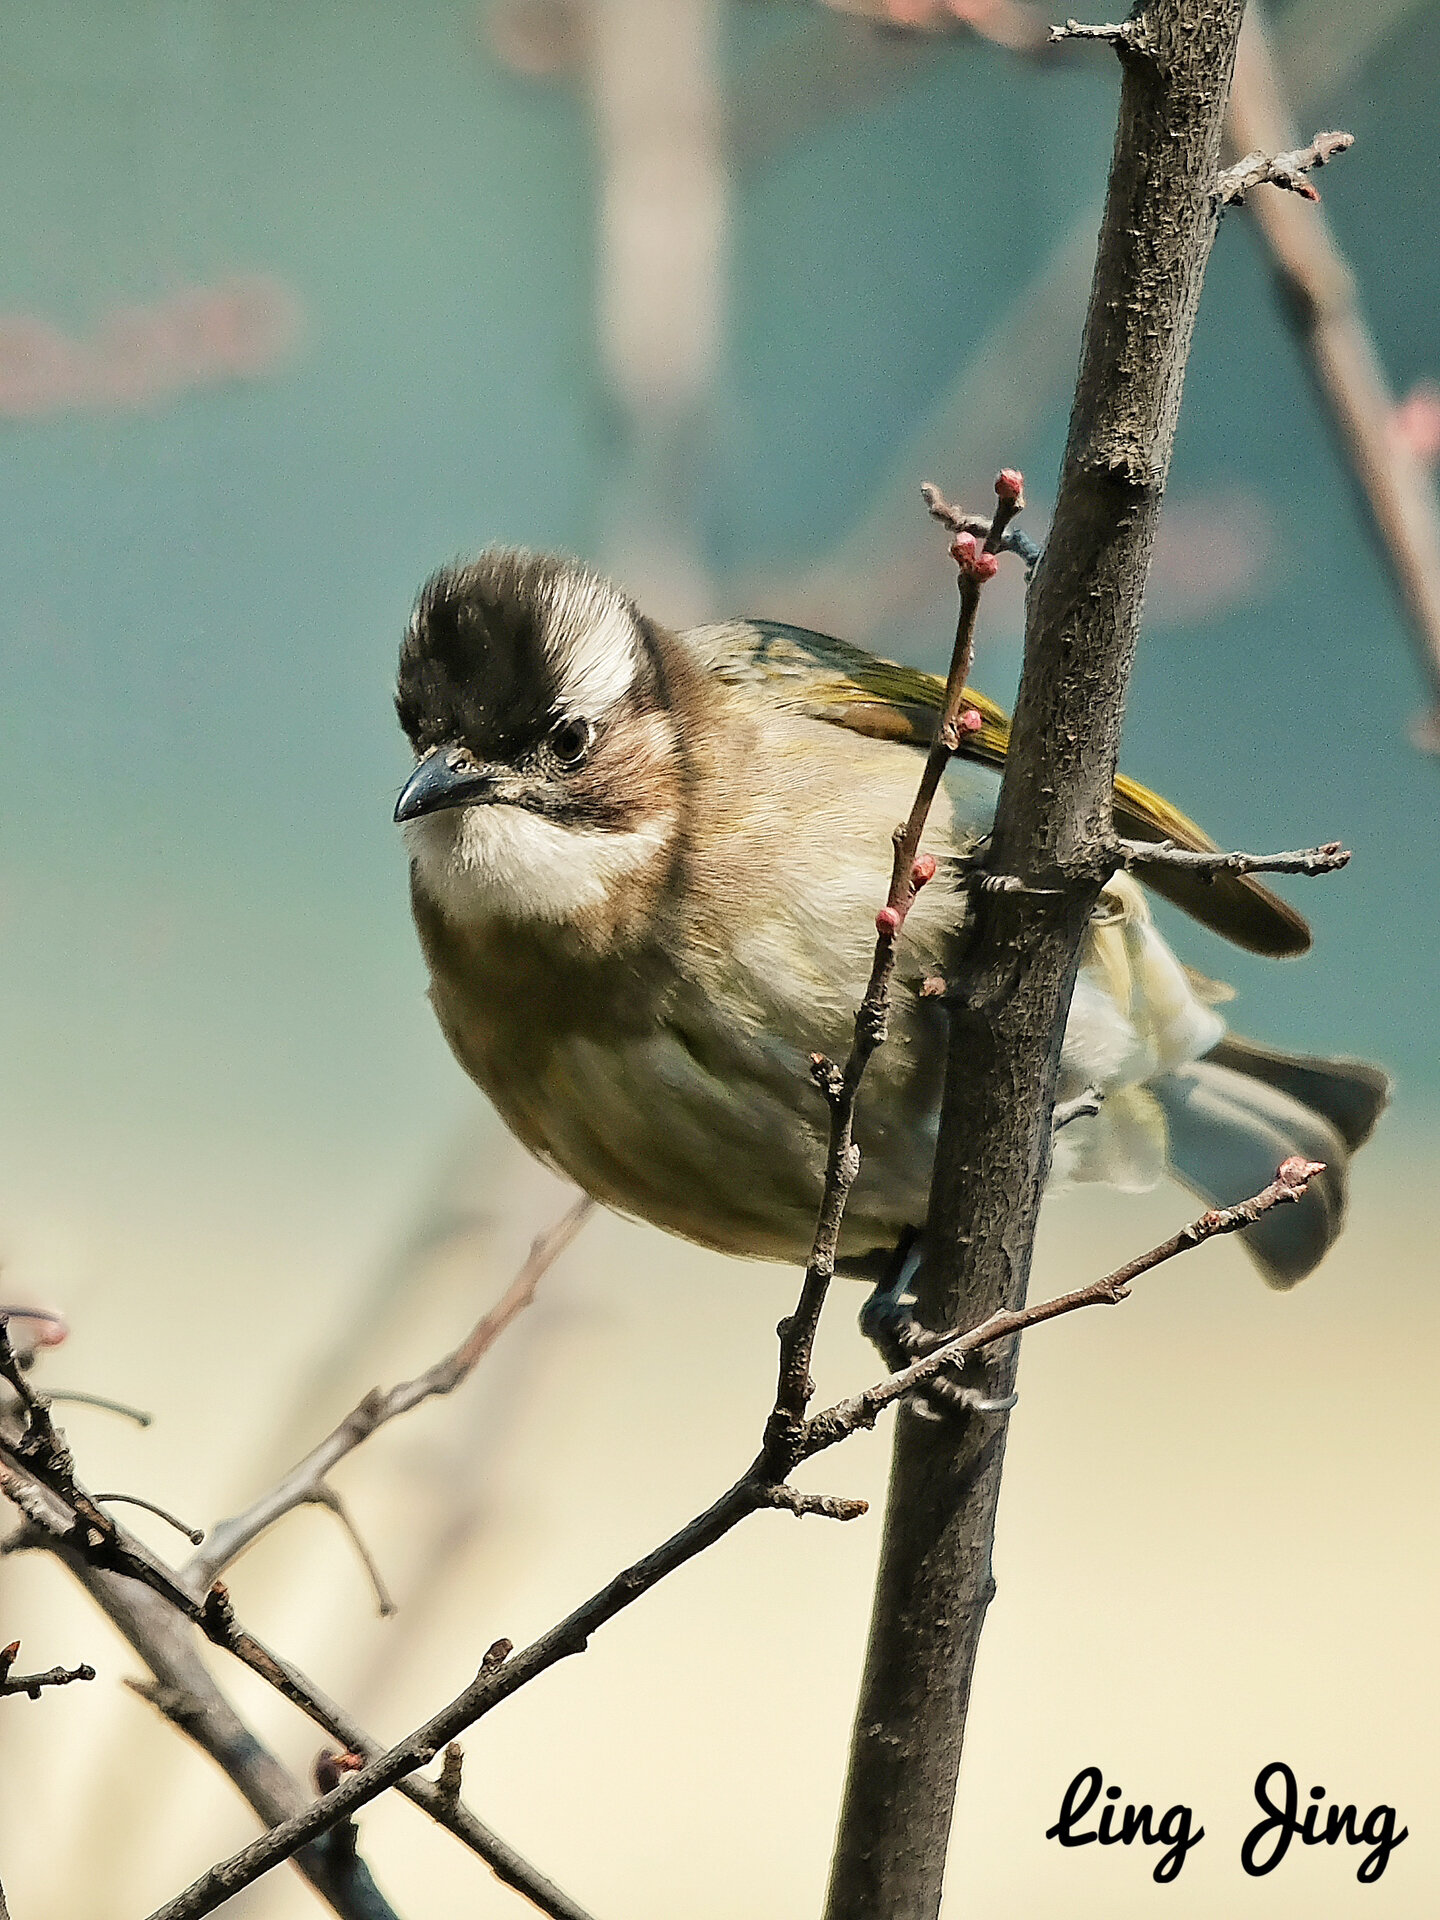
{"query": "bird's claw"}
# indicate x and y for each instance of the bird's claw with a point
(888, 1321)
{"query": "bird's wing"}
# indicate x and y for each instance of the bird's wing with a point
(830, 680)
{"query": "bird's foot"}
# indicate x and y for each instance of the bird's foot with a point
(888, 1322)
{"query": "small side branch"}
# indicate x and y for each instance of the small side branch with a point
(33, 1683)
(829, 1506)
(1012, 539)
(1120, 37)
(1285, 170)
(862, 1410)
(305, 1484)
(1136, 855)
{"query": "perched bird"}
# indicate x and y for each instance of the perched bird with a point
(645, 867)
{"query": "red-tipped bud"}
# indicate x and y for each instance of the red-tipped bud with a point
(972, 559)
(970, 721)
(1297, 1171)
(331, 1767)
(1010, 487)
(923, 870)
(887, 923)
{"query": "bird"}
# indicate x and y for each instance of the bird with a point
(644, 868)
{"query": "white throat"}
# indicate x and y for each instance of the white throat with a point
(501, 862)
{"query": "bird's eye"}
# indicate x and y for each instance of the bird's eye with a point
(570, 742)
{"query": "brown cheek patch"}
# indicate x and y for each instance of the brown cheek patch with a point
(626, 783)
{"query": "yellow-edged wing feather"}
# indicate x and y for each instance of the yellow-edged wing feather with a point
(850, 688)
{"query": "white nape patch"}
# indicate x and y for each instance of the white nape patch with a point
(588, 630)
(502, 862)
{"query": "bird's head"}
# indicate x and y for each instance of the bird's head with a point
(548, 779)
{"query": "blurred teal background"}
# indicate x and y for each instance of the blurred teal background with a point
(365, 243)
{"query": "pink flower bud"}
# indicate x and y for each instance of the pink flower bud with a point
(1297, 1171)
(1010, 487)
(970, 721)
(923, 870)
(887, 923)
(972, 559)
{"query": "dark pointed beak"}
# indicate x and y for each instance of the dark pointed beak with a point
(447, 777)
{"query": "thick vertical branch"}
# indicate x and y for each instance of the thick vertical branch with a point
(1012, 983)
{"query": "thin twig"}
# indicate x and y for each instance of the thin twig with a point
(183, 1690)
(1136, 855)
(504, 1674)
(1118, 36)
(861, 1410)
(193, 1534)
(37, 1474)
(1286, 170)
(304, 1485)
(976, 563)
(137, 1414)
(224, 1630)
(31, 1683)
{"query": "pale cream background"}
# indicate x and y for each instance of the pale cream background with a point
(1218, 1547)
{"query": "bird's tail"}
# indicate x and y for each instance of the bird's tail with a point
(1235, 1114)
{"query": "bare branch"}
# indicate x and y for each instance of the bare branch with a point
(37, 1474)
(304, 1485)
(42, 1485)
(1120, 37)
(184, 1691)
(452, 1766)
(193, 1534)
(976, 562)
(1136, 855)
(224, 1630)
(1286, 170)
(862, 1410)
(137, 1414)
(829, 1506)
(32, 1683)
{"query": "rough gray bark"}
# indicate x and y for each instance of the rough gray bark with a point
(1012, 983)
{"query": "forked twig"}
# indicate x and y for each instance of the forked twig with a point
(305, 1484)
(1285, 170)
